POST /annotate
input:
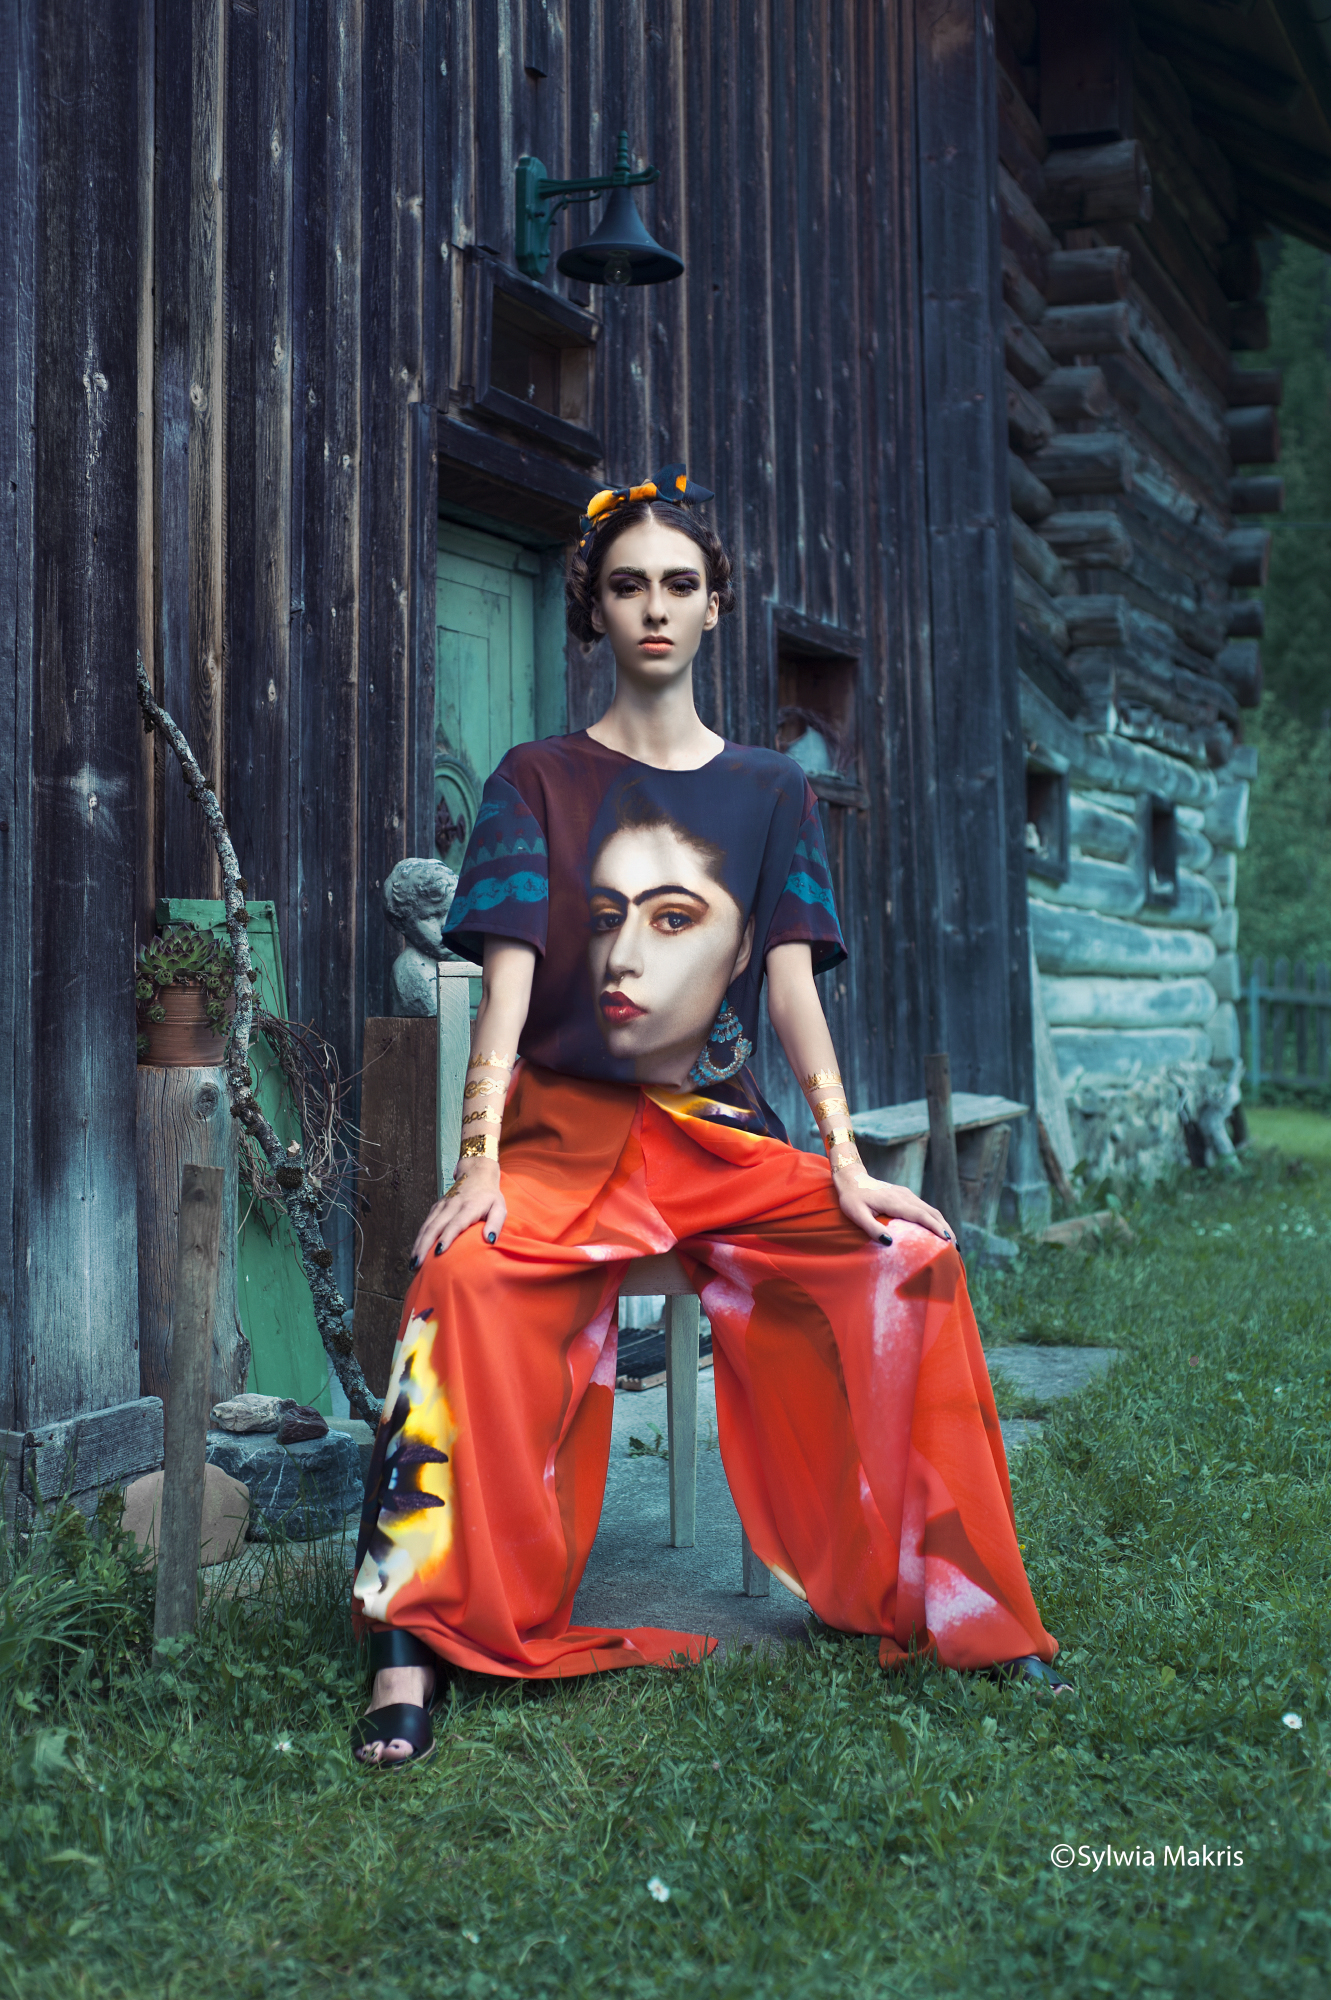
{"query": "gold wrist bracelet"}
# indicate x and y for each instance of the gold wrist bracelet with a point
(492, 1061)
(831, 1107)
(481, 1146)
(485, 1086)
(851, 1159)
(819, 1079)
(489, 1116)
(839, 1135)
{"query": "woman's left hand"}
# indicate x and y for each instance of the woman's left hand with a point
(869, 1204)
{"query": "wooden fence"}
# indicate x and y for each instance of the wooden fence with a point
(1288, 1030)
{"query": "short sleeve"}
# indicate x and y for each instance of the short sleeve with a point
(806, 909)
(503, 889)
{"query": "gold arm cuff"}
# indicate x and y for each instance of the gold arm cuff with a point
(481, 1146)
(485, 1086)
(840, 1135)
(831, 1107)
(489, 1116)
(819, 1079)
(492, 1061)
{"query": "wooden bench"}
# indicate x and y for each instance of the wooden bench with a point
(646, 1277)
(894, 1144)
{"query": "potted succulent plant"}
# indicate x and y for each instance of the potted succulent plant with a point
(184, 990)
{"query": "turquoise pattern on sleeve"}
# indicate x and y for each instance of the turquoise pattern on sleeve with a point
(806, 890)
(491, 892)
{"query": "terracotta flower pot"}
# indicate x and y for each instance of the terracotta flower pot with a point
(185, 1039)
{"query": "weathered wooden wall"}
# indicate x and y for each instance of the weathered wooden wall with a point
(234, 255)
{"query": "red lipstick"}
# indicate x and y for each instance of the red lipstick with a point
(618, 1009)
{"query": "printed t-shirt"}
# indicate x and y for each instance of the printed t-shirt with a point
(652, 899)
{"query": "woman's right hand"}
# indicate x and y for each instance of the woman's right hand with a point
(475, 1198)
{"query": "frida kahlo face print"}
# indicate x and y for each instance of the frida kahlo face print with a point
(667, 939)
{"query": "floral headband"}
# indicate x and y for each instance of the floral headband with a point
(671, 483)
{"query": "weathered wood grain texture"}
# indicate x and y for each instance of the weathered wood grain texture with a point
(978, 769)
(942, 1156)
(397, 1184)
(146, 828)
(81, 1322)
(202, 1205)
(207, 421)
(184, 1115)
(262, 731)
(18, 335)
(183, 858)
(324, 949)
(83, 1455)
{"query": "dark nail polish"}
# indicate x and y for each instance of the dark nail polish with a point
(490, 1236)
(438, 1249)
(887, 1240)
(414, 1263)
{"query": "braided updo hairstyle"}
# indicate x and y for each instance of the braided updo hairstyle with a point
(584, 570)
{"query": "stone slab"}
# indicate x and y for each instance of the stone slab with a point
(362, 1435)
(298, 1490)
(1049, 1373)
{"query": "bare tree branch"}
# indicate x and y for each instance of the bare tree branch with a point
(302, 1204)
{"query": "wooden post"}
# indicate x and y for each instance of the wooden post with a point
(942, 1139)
(757, 1576)
(454, 1031)
(683, 1338)
(201, 1195)
(184, 1114)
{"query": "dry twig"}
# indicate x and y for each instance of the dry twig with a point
(302, 1202)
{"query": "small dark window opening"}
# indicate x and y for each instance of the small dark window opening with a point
(1161, 854)
(1047, 824)
(522, 364)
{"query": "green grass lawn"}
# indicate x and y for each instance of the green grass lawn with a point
(822, 1828)
(1297, 1133)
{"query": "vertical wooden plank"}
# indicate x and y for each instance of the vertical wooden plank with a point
(145, 509)
(207, 425)
(453, 1046)
(182, 866)
(18, 229)
(184, 1115)
(942, 1139)
(82, 1318)
(977, 751)
(184, 1470)
(327, 961)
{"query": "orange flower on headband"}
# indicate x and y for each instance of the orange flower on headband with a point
(671, 483)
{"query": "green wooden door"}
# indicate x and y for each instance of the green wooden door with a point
(486, 597)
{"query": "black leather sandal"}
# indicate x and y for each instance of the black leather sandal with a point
(406, 1720)
(1030, 1668)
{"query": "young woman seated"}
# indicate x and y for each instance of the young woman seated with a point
(628, 889)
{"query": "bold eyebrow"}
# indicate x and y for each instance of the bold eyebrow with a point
(667, 575)
(669, 889)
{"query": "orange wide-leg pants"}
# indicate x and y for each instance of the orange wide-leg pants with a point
(856, 1422)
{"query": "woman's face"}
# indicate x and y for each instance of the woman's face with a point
(653, 602)
(667, 940)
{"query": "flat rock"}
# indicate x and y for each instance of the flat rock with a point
(296, 1490)
(226, 1506)
(1047, 1373)
(300, 1423)
(249, 1414)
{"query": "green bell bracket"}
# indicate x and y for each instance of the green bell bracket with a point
(620, 252)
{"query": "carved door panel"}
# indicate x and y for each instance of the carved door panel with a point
(485, 671)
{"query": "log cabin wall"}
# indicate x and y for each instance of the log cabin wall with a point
(1141, 442)
(246, 244)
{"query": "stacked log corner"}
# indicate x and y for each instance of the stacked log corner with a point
(1141, 448)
